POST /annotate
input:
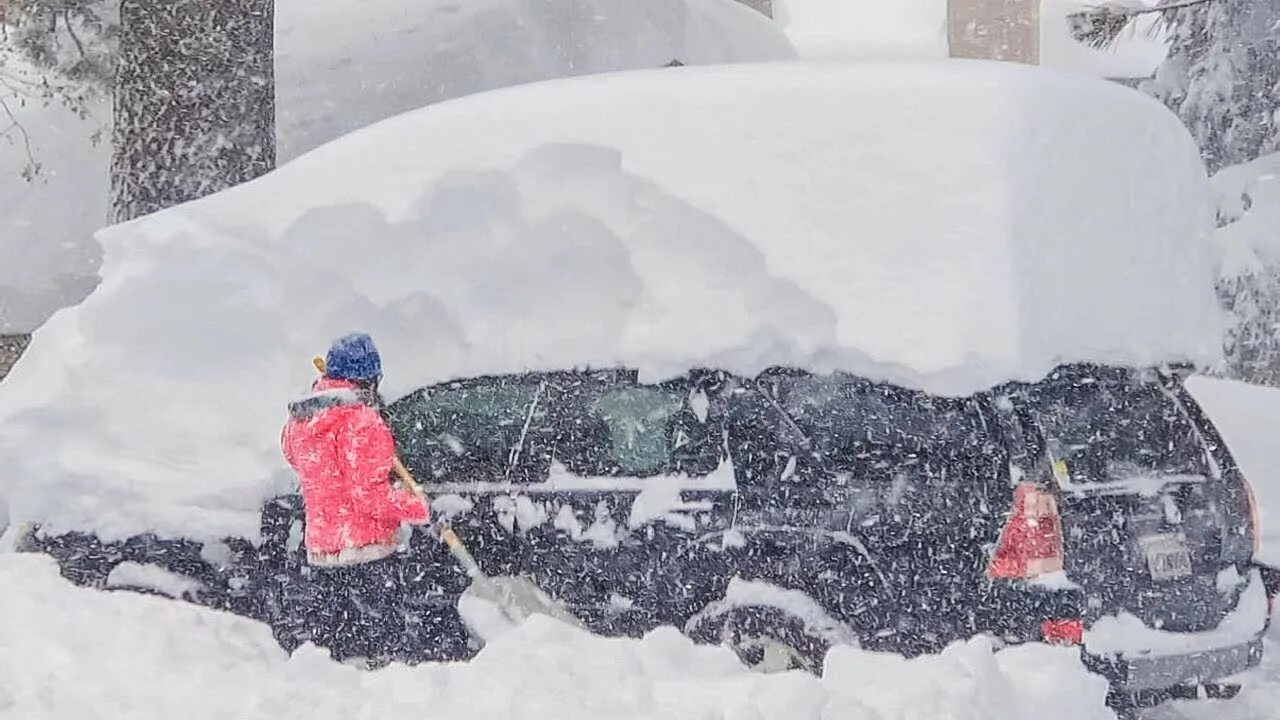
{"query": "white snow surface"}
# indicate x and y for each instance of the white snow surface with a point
(794, 603)
(734, 217)
(152, 577)
(69, 652)
(341, 66)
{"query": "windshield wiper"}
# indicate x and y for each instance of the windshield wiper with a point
(786, 417)
(513, 457)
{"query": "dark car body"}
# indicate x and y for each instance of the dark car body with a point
(799, 508)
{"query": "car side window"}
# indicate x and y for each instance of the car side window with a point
(638, 430)
(486, 429)
(638, 420)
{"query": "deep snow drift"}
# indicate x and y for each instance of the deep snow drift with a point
(340, 67)
(145, 657)
(951, 240)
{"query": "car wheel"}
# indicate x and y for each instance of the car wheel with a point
(765, 639)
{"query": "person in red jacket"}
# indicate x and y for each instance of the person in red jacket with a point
(343, 453)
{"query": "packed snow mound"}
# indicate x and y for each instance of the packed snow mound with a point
(48, 258)
(340, 67)
(1248, 200)
(735, 217)
(145, 657)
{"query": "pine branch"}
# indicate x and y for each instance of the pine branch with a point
(1100, 26)
(32, 167)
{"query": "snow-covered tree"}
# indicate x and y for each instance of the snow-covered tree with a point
(1222, 77)
(1222, 74)
(195, 101)
(73, 39)
(53, 52)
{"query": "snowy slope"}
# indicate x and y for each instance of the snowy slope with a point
(69, 652)
(733, 217)
(339, 67)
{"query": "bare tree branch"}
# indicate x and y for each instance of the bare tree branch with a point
(66, 20)
(33, 168)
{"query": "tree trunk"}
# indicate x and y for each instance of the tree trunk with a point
(194, 103)
(11, 347)
(994, 29)
(763, 6)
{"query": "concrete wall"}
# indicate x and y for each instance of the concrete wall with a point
(994, 29)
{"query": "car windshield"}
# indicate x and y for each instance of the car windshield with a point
(1115, 428)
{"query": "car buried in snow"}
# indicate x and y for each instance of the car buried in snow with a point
(891, 379)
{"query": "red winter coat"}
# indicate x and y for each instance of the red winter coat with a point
(343, 452)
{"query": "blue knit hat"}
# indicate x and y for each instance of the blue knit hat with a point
(353, 357)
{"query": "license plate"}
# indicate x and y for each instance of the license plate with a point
(1167, 556)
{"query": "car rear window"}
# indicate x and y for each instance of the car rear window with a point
(1113, 426)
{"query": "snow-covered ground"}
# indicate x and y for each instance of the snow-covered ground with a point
(69, 652)
(340, 67)
(567, 240)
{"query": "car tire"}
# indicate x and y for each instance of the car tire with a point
(765, 639)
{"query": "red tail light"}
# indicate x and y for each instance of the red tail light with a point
(1031, 541)
(1062, 632)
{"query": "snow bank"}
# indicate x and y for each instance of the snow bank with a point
(733, 217)
(144, 657)
(1248, 198)
(1247, 416)
(340, 67)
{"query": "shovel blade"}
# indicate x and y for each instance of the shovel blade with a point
(519, 598)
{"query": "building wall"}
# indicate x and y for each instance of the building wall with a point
(994, 29)
(764, 6)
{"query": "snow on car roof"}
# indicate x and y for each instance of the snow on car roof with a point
(946, 226)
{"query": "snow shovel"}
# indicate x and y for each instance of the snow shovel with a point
(517, 597)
